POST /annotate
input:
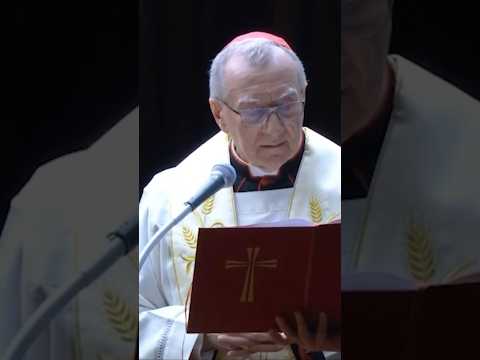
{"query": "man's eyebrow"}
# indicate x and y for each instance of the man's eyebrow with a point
(291, 93)
(247, 100)
(256, 100)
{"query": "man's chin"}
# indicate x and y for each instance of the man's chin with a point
(273, 163)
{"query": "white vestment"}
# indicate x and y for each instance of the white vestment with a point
(166, 276)
(57, 225)
(420, 218)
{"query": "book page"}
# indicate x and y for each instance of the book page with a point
(472, 278)
(284, 223)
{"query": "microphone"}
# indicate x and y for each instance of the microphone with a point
(122, 241)
(222, 175)
(127, 232)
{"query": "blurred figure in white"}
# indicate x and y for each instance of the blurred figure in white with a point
(410, 174)
(57, 225)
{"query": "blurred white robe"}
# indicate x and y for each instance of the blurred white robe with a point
(420, 218)
(56, 226)
(167, 274)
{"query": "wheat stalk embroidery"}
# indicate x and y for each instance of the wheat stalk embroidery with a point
(189, 237)
(421, 260)
(123, 319)
(207, 206)
(316, 212)
(133, 257)
(189, 260)
(459, 271)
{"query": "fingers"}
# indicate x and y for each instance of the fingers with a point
(243, 341)
(257, 337)
(302, 329)
(266, 348)
(279, 338)
(321, 334)
(286, 329)
(237, 355)
(315, 340)
(233, 342)
(244, 353)
(241, 345)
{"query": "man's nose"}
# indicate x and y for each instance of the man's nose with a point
(273, 122)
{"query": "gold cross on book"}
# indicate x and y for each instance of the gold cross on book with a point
(250, 264)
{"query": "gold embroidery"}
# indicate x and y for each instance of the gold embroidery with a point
(123, 319)
(333, 217)
(251, 264)
(420, 253)
(133, 257)
(189, 237)
(199, 218)
(316, 212)
(459, 271)
(207, 206)
(189, 261)
(206, 209)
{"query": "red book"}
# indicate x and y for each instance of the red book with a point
(245, 276)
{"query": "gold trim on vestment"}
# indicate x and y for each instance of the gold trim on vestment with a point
(421, 260)
(173, 257)
(209, 209)
(120, 316)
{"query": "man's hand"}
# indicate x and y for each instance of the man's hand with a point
(241, 345)
(310, 341)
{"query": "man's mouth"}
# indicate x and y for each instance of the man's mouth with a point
(274, 145)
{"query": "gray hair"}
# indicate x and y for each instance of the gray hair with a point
(258, 53)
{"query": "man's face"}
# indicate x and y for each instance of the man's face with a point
(366, 27)
(276, 140)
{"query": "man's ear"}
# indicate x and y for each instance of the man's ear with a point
(304, 91)
(216, 109)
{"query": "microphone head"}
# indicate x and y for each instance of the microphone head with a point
(227, 172)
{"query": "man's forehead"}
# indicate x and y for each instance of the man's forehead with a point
(278, 60)
(272, 80)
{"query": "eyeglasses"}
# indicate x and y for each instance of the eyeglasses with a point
(289, 112)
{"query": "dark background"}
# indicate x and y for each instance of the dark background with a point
(71, 75)
(73, 68)
(442, 37)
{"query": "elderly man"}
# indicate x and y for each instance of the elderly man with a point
(257, 98)
(409, 159)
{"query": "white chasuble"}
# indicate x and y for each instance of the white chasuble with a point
(420, 219)
(167, 274)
